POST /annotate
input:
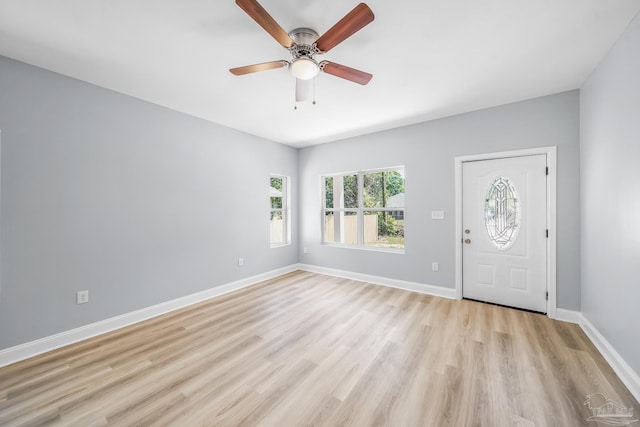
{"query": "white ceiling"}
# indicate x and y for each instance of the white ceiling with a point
(429, 58)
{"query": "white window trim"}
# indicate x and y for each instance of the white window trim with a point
(286, 210)
(360, 210)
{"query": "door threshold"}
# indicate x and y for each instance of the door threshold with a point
(505, 306)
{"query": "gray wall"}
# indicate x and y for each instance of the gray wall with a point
(134, 202)
(610, 149)
(427, 150)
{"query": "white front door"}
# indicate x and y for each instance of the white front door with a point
(504, 220)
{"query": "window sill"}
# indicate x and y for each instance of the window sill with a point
(279, 245)
(396, 251)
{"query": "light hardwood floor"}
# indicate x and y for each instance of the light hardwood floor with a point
(306, 350)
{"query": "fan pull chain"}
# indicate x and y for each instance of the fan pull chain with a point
(314, 92)
(302, 93)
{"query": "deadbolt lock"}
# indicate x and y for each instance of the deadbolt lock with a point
(467, 231)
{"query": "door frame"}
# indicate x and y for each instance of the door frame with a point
(551, 153)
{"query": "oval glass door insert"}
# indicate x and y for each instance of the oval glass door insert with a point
(502, 213)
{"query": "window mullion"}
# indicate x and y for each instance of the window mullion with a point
(338, 195)
(285, 210)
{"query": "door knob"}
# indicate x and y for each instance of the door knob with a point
(467, 241)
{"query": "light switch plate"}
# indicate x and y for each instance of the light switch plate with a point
(82, 297)
(437, 214)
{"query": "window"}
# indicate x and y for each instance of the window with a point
(279, 199)
(364, 208)
(502, 213)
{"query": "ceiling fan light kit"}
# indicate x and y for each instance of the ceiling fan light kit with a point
(305, 43)
(304, 68)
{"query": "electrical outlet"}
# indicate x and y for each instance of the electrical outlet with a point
(434, 266)
(304, 250)
(82, 297)
(240, 262)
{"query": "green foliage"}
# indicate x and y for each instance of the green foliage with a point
(276, 203)
(276, 183)
(373, 190)
(328, 192)
(394, 183)
(379, 186)
(350, 191)
(276, 215)
(387, 225)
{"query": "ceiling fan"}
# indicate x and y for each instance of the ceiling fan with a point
(304, 44)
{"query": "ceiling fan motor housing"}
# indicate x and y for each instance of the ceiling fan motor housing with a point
(304, 39)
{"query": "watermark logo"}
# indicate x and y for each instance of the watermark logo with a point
(607, 411)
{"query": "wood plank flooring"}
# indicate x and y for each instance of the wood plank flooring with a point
(312, 350)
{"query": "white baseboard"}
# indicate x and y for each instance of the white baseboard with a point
(625, 372)
(43, 345)
(422, 288)
(570, 316)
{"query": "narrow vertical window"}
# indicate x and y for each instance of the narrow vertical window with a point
(279, 200)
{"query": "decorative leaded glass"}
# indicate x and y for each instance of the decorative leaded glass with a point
(502, 213)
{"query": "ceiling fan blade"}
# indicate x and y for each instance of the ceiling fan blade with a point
(262, 17)
(303, 90)
(345, 72)
(353, 21)
(248, 69)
